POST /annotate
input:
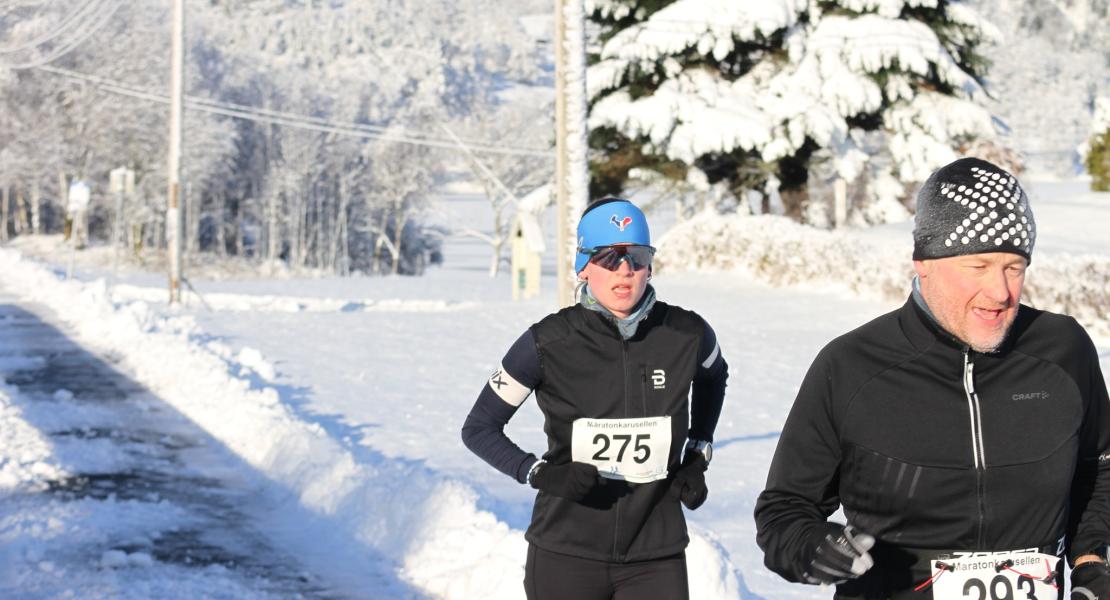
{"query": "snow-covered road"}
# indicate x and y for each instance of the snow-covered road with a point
(115, 494)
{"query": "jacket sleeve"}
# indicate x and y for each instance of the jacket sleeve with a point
(507, 388)
(708, 391)
(802, 483)
(1089, 523)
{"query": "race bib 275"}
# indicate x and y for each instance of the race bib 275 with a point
(633, 450)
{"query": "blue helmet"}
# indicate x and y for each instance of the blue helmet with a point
(607, 222)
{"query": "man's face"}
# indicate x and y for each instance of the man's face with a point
(974, 297)
(620, 290)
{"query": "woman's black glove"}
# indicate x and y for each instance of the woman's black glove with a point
(689, 481)
(1090, 581)
(836, 554)
(571, 480)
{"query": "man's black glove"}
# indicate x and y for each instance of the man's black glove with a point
(571, 480)
(1090, 581)
(689, 481)
(836, 553)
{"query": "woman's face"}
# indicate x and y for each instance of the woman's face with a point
(620, 290)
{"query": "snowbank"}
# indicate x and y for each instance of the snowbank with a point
(423, 522)
(289, 304)
(782, 252)
(25, 464)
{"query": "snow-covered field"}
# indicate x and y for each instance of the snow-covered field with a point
(345, 397)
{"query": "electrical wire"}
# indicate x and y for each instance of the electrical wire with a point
(291, 120)
(65, 49)
(42, 39)
(285, 116)
(465, 148)
(258, 114)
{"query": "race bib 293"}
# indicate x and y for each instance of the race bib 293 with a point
(1012, 575)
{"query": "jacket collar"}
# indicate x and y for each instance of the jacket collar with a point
(923, 330)
(627, 326)
(600, 323)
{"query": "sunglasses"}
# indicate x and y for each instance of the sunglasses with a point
(610, 257)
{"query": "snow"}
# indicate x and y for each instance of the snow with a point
(1045, 76)
(1100, 122)
(350, 419)
(709, 26)
(872, 43)
(23, 465)
(923, 127)
(820, 69)
(688, 116)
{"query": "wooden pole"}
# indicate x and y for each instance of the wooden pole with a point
(562, 261)
(173, 205)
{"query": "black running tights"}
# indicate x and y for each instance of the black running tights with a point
(552, 576)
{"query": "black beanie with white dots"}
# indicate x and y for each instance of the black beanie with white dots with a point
(969, 207)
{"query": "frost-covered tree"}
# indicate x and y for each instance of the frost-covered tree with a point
(72, 128)
(507, 178)
(1044, 79)
(762, 94)
(1098, 147)
(315, 137)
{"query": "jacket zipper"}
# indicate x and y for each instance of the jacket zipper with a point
(643, 391)
(976, 439)
(617, 511)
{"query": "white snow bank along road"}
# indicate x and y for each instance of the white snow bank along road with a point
(286, 304)
(426, 524)
(24, 451)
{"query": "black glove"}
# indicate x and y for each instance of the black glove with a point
(571, 480)
(688, 484)
(837, 553)
(1090, 581)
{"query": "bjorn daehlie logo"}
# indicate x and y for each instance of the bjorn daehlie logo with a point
(659, 379)
(497, 380)
(620, 223)
(1030, 396)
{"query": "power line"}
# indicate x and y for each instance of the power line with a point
(254, 113)
(465, 148)
(65, 49)
(292, 120)
(79, 13)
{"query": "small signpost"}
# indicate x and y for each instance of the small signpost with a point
(121, 181)
(77, 208)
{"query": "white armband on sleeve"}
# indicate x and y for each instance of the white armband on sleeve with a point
(507, 388)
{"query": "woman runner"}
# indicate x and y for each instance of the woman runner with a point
(626, 383)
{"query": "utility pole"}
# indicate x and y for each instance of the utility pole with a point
(173, 205)
(571, 170)
(562, 261)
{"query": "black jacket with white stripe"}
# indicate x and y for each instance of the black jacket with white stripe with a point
(931, 446)
(580, 367)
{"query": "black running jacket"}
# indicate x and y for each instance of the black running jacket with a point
(929, 446)
(580, 367)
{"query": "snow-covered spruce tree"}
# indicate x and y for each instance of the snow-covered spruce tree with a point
(764, 94)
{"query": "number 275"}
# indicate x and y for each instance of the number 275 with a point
(643, 451)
